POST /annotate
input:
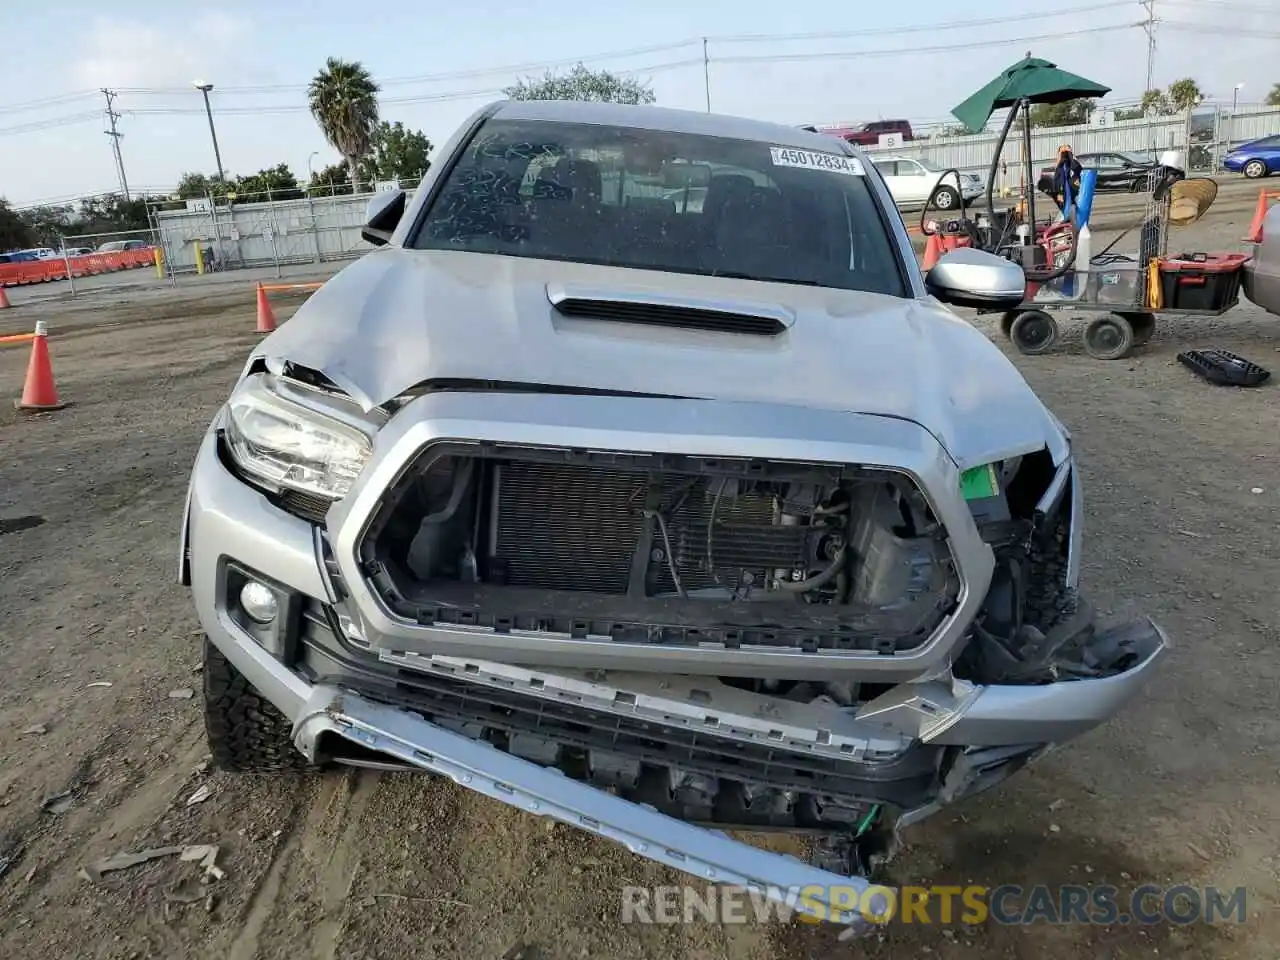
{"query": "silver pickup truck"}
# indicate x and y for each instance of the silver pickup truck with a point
(659, 519)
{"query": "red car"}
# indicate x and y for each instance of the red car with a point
(869, 134)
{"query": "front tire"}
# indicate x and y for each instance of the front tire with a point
(246, 733)
(945, 198)
(1033, 332)
(1108, 338)
(1255, 169)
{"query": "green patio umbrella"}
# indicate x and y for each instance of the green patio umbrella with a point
(1033, 79)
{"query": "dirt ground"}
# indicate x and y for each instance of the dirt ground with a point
(1183, 488)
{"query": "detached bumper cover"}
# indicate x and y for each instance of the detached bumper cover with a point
(477, 766)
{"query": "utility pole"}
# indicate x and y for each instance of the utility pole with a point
(115, 136)
(1149, 26)
(706, 73)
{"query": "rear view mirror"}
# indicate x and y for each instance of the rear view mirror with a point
(381, 217)
(967, 277)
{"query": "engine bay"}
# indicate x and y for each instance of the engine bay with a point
(659, 539)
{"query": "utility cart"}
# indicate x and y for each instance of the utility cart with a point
(1130, 291)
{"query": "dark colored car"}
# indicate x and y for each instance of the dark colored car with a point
(1127, 172)
(1259, 158)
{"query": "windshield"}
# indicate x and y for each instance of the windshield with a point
(659, 200)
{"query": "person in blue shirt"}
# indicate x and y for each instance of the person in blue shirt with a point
(1066, 177)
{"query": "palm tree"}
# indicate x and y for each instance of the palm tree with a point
(344, 100)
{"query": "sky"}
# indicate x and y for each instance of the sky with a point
(855, 60)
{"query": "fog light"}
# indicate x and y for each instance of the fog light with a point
(258, 602)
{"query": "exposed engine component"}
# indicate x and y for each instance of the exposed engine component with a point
(609, 533)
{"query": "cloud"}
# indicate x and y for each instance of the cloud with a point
(118, 53)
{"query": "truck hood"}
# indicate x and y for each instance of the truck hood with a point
(397, 318)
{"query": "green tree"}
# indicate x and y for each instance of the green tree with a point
(192, 186)
(1156, 102)
(344, 101)
(1128, 113)
(15, 234)
(583, 84)
(272, 183)
(1069, 114)
(1184, 94)
(335, 179)
(47, 224)
(1273, 98)
(396, 153)
(110, 214)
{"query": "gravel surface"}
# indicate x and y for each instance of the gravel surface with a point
(1182, 487)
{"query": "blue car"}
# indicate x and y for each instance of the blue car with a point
(1260, 158)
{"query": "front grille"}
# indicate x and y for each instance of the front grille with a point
(663, 549)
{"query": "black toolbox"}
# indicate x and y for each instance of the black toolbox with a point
(1201, 281)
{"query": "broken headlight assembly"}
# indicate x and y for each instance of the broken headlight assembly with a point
(292, 438)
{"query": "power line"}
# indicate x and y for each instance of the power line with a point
(52, 122)
(46, 102)
(921, 28)
(1230, 5)
(115, 136)
(1244, 33)
(698, 42)
(287, 108)
(943, 48)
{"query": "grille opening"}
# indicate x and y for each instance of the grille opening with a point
(662, 549)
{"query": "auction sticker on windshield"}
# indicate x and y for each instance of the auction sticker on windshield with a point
(813, 160)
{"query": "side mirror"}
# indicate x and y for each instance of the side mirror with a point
(967, 277)
(381, 216)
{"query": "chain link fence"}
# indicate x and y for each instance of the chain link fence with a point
(277, 229)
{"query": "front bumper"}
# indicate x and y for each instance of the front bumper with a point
(708, 854)
(975, 735)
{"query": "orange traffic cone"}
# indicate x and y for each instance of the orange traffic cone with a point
(1259, 214)
(266, 319)
(932, 251)
(4, 299)
(39, 392)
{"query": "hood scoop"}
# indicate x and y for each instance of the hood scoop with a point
(659, 310)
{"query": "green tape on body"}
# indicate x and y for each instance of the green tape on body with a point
(979, 483)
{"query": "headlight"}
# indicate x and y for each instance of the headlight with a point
(290, 445)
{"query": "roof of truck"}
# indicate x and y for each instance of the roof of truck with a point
(660, 118)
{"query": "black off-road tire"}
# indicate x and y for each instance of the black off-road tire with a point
(1144, 326)
(246, 733)
(1108, 338)
(1048, 600)
(1034, 332)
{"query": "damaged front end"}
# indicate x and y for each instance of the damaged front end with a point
(658, 620)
